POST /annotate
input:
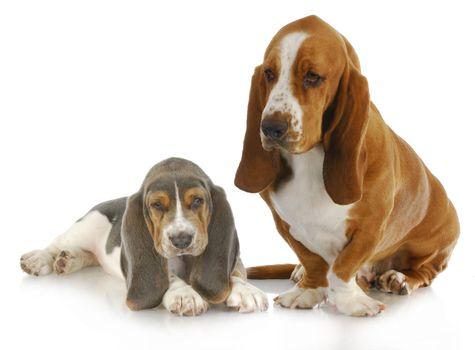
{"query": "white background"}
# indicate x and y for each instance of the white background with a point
(93, 93)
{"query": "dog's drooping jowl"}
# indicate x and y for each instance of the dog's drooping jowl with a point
(174, 242)
(350, 197)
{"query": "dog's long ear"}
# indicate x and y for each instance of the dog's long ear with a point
(210, 273)
(343, 140)
(145, 270)
(258, 168)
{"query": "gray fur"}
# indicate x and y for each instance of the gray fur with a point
(210, 273)
(114, 211)
(145, 271)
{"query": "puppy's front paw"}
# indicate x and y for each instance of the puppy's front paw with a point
(184, 300)
(244, 297)
(37, 263)
(300, 298)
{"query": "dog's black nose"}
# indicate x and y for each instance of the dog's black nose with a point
(182, 240)
(274, 129)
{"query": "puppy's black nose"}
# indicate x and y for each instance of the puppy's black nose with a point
(274, 129)
(182, 240)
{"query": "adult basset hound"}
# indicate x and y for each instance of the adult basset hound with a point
(349, 196)
(174, 242)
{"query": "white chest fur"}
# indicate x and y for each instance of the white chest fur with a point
(302, 201)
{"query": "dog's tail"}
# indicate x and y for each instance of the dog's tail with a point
(280, 271)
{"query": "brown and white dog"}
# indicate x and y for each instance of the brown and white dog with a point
(349, 196)
(174, 242)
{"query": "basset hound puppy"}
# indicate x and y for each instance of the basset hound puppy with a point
(174, 242)
(350, 197)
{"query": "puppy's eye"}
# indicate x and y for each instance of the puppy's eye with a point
(158, 206)
(269, 75)
(197, 201)
(312, 79)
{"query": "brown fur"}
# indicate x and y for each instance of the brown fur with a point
(131, 305)
(157, 218)
(282, 271)
(401, 218)
(160, 218)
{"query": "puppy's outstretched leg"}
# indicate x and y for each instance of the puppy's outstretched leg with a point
(71, 251)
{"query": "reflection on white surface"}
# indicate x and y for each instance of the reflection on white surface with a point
(89, 307)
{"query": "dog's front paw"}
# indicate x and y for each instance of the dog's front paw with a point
(37, 263)
(184, 301)
(300, 298)
(355, 303)
(244, 297)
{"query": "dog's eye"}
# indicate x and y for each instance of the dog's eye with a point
(197, 201)
(269, 74)
(158, 206)
(312, 79)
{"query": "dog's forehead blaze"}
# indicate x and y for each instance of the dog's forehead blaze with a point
(322, 49)
(309, 46)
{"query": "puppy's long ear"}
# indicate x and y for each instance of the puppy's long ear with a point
(258, 168)
(145, 270)
(211, 271)
(344, 133)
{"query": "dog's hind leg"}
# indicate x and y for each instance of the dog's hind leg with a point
(70, 251)
(423, 271)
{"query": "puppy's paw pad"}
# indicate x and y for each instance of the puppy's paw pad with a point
(297, 274)
(184, 301)
(300, 298)
(245, 298)
(37, 263)
(393, 282)
(64, 262)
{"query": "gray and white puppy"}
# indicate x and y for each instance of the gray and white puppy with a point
(174, 242)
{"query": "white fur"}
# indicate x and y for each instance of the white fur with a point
(302, 298)
(350, 299)
(244, 297)
(281, 98)
(182, 299)
(37, 262)
(89, 234)
(179, 222)
(320, 225)
(314, 219)
(297, 274)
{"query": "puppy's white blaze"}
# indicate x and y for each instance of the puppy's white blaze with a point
(281, 98)
(179, 223)
(179, 209)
